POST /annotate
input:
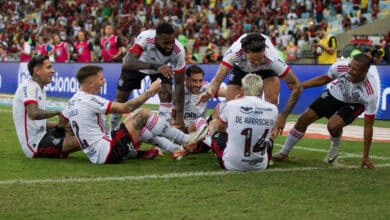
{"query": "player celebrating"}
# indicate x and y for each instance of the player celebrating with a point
(254, 53)
(85, 112)
(37, 136)
(241, 137)
(158, 54)
(352, 91)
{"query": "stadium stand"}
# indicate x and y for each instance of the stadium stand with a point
(203, 24)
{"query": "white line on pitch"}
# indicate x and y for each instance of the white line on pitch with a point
(167, 176)
(341, 153)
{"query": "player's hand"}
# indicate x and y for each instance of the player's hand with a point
(204, 97)
(367, 162)
(166, 71)
(155, 86)
(279, 125)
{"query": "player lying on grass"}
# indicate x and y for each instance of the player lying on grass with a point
(241, 137)
(86, 114)
(37, 136)
(353, 89)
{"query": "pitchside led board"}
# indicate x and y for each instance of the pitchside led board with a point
(65, 84)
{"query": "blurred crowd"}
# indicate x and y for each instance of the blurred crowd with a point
(82, 30)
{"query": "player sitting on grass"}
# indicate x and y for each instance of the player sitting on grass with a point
(37, 136)
(86, 114)
(241, 136)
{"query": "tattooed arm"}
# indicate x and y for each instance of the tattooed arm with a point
(296, 90)
(35, 113)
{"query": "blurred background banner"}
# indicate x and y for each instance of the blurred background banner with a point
(65, 84)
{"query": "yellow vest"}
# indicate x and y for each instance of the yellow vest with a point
(325, 57)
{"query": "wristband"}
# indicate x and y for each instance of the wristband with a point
(154, 66)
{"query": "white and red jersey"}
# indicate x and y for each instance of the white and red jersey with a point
(365, 93)
(30, 132)
(235, 56)
(83, 49)
(86, 115)
(144, 47)
(109, 47)
(60, 52)
(191, 110)
(248, 119)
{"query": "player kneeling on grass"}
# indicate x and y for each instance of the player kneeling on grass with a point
(353, 90)
(241, 136)
(86, 114)
(37, 136)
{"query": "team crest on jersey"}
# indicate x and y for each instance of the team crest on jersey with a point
(107, 45)
(246, 110)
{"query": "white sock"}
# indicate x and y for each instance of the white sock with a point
(158, 141)
(207, 140)
(114, 121)
(159, 127)
(335, 142)
(292, 138)
(165, 111)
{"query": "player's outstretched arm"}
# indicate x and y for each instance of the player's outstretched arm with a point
(296, 90)
(133, 104)
(316, 81)
(35, 113)
(215, 84)
(368, 132)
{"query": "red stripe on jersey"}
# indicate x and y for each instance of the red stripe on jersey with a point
(108, 108)
(369, 116)
(109, 152)
(99, 124)
(136, 49)
(342, 68)
(179, 70)
(268, 61)
(226, 64)
(176, 49)
(26, 132)
(368, 87)
(150, 40)
(285, 72)
(239, 53)
(222, 121)
(30, 102)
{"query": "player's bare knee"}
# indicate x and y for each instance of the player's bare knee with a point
(334, 130)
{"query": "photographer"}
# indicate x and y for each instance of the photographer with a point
(325, 50)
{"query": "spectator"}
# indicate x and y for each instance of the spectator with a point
(110, 44)
(25, 51)
(61, 50)
(326, 48)
(83, 49)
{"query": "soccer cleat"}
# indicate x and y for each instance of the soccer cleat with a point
(333, 153)
(184, 151)
(147, 154)
(198, 135)
(280, 157)
(179, 154)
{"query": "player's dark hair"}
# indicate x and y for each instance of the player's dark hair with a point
(253, 42)
(36, 61)
(193, 69)
(363, 59)
(165, 28)
(87, 71)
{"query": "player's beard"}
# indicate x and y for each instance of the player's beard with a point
(164, 52)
